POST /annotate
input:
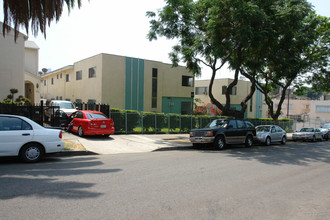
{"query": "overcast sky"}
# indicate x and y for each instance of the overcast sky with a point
(113, 27)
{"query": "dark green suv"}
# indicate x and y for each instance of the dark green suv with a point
(221, 132)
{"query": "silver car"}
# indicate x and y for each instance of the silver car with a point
(268, 134)
(311, 134)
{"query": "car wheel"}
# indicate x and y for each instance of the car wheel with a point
(106, 135)
(80, 131)
(283, 141)
(31, 153)
(249, 141)
(268, 141)
(220, 143)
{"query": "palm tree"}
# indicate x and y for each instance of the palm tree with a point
(39, 12)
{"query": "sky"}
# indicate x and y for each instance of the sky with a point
(112, 27)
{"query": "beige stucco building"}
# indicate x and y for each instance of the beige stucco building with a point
(124, 83)
(239, 92)
(11, 63)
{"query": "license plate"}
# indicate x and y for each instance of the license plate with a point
(103, 126)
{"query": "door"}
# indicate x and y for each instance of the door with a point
(14, 133)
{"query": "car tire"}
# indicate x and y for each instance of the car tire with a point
(283, 141)
(220, 143)
(106, 135)
(80, 131)
(31, 153)
(268, 141)
(249, 141)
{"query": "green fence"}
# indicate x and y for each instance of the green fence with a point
(134, 122)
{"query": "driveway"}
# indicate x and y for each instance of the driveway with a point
(128, 143)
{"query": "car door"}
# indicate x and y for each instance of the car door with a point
(318, 133)
(77, 121)
(232, 132)
(14, 133)
(275, 135)
(241, 131)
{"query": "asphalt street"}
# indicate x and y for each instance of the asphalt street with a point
(277, 182)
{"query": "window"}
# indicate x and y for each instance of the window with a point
(233, 90)
(61, 76)
(78, 75)
(249, 124)
(232, 123)
(45, 82)
(187, 81)
(79, 115)
(154, 88)
(78, 101)
(57, 76)
(13, 124)
(240, 124)
(68, 77)
(320, 108)
(201, 90)
(186, 108)
(92, 72)
(52, 81)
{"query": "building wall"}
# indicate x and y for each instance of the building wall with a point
(31, 64)
(11, 64)
(113, 81)
(169, 86)
(88, 88)
(122, 82)
(320, 110)
(254, 107)
(60, 89)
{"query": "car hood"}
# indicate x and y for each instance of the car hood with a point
(68, 111)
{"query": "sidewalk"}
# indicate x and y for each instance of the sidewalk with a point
(131, 143)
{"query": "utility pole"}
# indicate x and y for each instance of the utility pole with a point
(287, 114)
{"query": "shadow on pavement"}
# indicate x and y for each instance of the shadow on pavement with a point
(44, 179)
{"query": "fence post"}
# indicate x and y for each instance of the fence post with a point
(155, 123)
(180, 123)
(169, 122)
(126, 121)
(142, 121)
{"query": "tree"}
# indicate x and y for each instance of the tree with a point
(39, 13)
(213, 33)
(298, 48)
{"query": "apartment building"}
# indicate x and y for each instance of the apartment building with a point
(239, 92)
(124, 83)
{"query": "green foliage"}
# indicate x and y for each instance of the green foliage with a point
(38, 13)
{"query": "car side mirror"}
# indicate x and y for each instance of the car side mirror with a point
(77, 108)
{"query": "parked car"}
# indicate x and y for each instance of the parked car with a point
(91, 123)
(268, 134)
(327, 126)
(221, 132)
(20, 136)
(304, 134)
(325, 133)
(64, 107)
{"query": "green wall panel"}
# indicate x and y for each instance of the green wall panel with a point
(134, 83)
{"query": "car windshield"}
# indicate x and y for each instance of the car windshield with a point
(95, 115)
(217, 123)
(263, 128)
(307, 130)
(64, 105)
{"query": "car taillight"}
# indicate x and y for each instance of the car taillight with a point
(60, 135)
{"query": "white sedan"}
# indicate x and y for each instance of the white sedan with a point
(20, 136)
